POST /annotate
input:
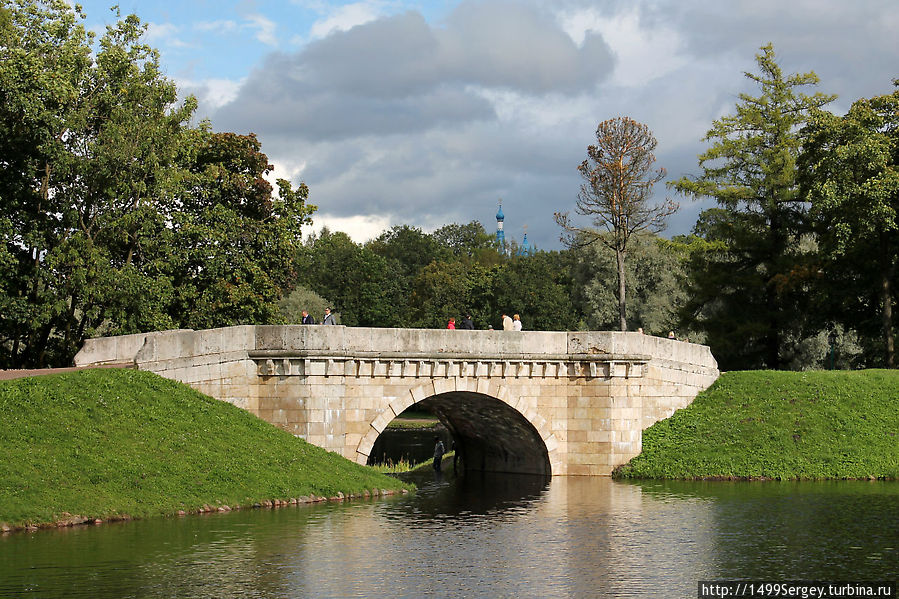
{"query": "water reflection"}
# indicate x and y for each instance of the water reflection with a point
(480, 535)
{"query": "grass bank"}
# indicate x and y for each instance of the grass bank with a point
(106, 444)
(779, 425)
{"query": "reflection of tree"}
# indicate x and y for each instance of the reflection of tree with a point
(834, 530)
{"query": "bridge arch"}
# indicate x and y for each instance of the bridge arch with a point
(493, 431)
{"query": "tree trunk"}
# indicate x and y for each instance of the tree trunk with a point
(622, 303)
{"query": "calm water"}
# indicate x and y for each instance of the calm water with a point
(496, 536)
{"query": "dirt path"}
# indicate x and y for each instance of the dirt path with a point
(7, 375)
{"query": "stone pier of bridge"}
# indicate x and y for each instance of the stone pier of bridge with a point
(550, 403)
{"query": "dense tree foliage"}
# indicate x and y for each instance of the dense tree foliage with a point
(851, 177)
(118, 215)
(656, 277)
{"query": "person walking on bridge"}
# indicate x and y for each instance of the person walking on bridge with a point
(329, 318)
(507, 323)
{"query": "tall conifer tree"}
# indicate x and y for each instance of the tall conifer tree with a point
(744, 295)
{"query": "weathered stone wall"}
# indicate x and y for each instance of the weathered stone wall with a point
(584, 396)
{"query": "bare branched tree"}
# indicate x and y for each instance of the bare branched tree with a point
(618, 178)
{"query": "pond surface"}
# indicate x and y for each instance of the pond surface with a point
(482, 536)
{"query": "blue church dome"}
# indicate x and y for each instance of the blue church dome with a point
(499, 213)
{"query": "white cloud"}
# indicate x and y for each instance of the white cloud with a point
(211, 93)
(345, 17)
(360, 228)
(644, 51)
(403, 120)
(220, 26)
(163, 32)
(265, 29)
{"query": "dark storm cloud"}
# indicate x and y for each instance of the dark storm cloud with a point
(400, 74)
(430, 123)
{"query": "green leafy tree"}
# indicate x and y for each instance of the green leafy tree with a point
(537, 287)
(441, 291)
(117, 215)
(232, 239)
(469, 241)
(851, 166)
(364, 286)
(657, 279)
(616, 194)
(409, 246)
(299, 299)
(753, 290)
(88, 142)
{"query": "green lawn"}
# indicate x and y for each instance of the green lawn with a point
(109, 443)
(780, 425)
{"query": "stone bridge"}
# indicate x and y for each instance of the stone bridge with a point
(560, 403)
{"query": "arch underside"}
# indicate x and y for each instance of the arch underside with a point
(490, 435)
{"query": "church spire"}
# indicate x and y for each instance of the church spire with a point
(525, 248)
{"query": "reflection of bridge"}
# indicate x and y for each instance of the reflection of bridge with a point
(541, 402)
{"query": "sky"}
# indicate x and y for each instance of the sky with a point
(429, 113)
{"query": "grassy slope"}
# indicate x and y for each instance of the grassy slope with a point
(102, 443)
(782, 425)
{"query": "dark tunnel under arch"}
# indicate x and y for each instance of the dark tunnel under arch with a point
(490, 435)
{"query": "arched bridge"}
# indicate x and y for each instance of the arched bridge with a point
(560, 403)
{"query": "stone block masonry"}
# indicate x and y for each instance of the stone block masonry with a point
(560, 403)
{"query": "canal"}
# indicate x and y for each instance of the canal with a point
(480, 536)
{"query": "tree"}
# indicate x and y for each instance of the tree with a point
(469, 241)
(539, 288)
(117, 216)
(656, 278)
(232, 241)
(440, 291)
(618, 179)
(409, 246)
(750, 170)
(89, 139)
(851, 178)
(364, 286)
(299, 299)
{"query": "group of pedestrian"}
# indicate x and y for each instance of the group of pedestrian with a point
(467, 323)
(509, 324)
(328, 318)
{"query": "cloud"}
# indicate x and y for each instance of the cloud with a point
(210, 93)
(345, 17)
(399, 74)
(394, 119)
(167, 33)
(642, 54)
(265, 29)
(360, 228)
(220, 26)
